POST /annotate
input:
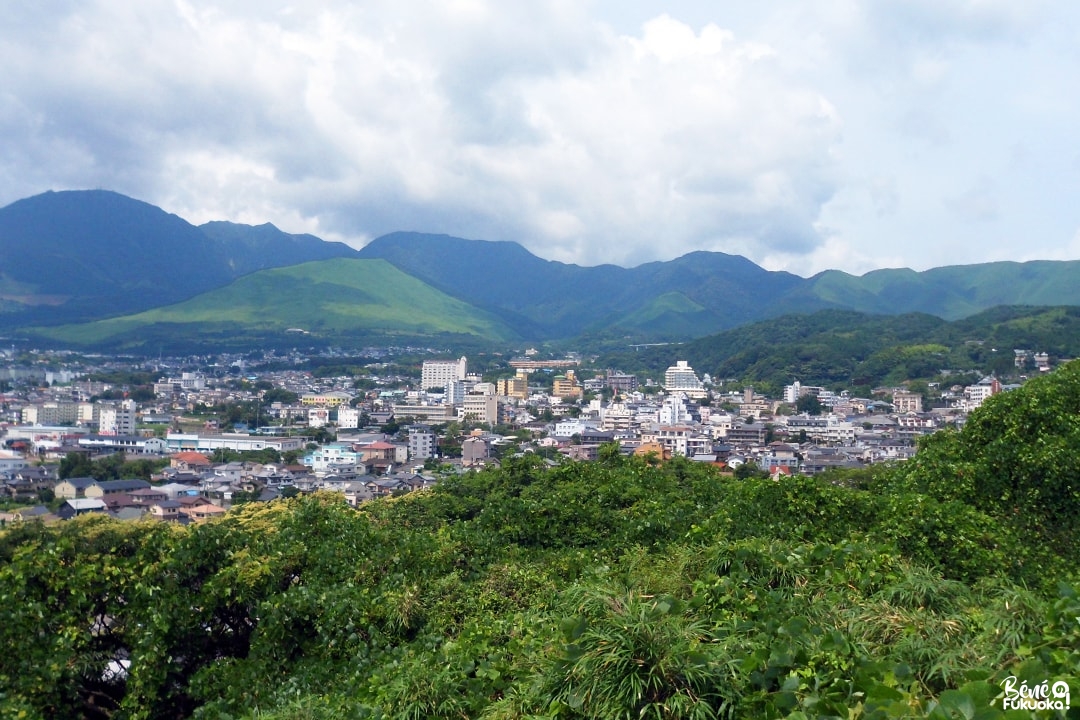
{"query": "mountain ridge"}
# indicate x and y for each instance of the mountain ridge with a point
(80, 256)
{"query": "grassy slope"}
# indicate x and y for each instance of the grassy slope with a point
(339, 295)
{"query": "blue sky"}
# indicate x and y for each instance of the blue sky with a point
(805, 136)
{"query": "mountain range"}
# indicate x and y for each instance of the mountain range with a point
(100, 269)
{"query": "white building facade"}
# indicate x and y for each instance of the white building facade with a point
(680, 377)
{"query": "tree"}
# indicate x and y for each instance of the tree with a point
(809, 404)
(75, 464)
(280, 395)
(750, 470)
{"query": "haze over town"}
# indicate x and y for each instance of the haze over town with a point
(838, 135)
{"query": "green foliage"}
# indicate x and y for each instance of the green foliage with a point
(1014, 459)
(809, 404)
(110, 467)
(335, 297)
(621, 588)
(266, 455)
(849, 350)
(280, 395)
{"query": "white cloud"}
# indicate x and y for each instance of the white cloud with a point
(529, 123)
(749, 130)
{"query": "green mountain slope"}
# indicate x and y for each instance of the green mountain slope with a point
(949, 292)
(328, 299)
(672, 314)
(249, 248)
(553, 299)
(74, 256)
(77, 256)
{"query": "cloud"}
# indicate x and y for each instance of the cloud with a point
(792, 133)
(529, 122)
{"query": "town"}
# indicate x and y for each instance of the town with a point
(209, 433)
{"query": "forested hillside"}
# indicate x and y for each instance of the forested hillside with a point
(856, 351)
(622, 588)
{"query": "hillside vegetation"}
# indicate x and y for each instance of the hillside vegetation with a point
(622, 588)
(329, 299)
(79, 256)
(843, 349)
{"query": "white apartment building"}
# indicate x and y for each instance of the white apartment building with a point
(348, 418)
(720, 423)
(680, 377)
(975, 395)
(616, 417)
(792, 392)
(675, 438)
(673, 411)
(117, 420)
(332, 457)
(440, 373)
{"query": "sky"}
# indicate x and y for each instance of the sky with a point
(802, 135)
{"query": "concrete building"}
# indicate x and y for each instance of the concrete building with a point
(621, 383)
(566, 386)
(515, 387)
(178, 442)
(348, 418)
(907, 402)
(474, 451)
(480, 408)
(680, 377)
(421, 442)
(327, 399)
(437, 374)
(975, 395)
(117, 420)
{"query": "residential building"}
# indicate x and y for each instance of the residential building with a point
(621, 383)
(566, 386)
(104, 488)
(117, 420)
(673, 411)
(318, 417)
(73, 488)
(50, 413)
(680, 377)
(332, 457)
(330, 399)
(474, 451)
(480, 408)
(80, 506)
(421, 442)
(792, 392)
(907, 402)
(975, 395)
(515, 387)
(616, 417)
(348, 418)
(437, 374)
